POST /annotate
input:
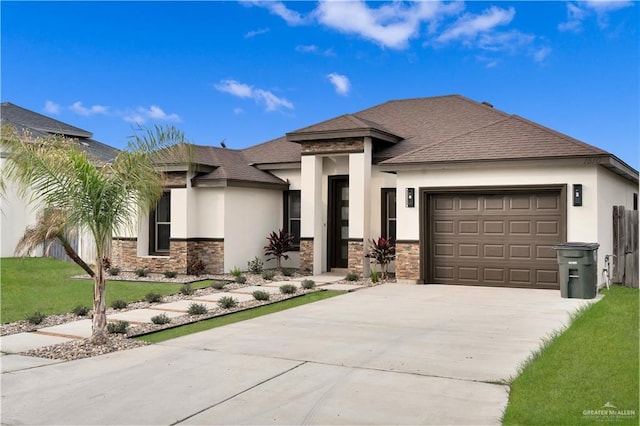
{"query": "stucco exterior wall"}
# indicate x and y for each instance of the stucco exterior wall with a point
(15, 216)
(581, 221)
(613, 190)
(250, 215)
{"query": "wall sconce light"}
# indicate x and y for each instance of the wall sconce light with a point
(411, 197)
(577, 194)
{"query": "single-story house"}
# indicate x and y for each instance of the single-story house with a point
(471, 194)
(15, 213)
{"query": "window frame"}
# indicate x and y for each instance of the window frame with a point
(153, 227)
(287, 219)
(385, 219)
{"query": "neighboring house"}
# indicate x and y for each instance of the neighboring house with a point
(472, 195)
(16, 213)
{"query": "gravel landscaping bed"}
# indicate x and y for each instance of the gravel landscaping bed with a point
(83, 348)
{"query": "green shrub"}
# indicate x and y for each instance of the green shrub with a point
(114, 270)
(255, 266)
(160, 319)
(142, 272)
(36, 318)
(218, 285)
(118, 327)
(375, 276)
(118, 304)
(351, 276)
(260, 295)
(170, 274)
(308, 284)
(81, 310)
(153, 297)
(197, 267)
(236, 272)
(197, 309)
(241, 279)
(268, 274)
(287, 272)
(227, 302)
(186, 289)
(287, 289)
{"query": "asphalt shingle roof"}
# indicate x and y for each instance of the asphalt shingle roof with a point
(40, 126)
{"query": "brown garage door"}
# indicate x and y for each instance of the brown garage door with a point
(503, 239)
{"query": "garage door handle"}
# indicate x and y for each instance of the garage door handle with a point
(574, 276)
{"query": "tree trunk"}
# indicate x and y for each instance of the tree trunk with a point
(99, 326)
(73, 255)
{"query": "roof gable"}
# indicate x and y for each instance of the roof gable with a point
(510, 138)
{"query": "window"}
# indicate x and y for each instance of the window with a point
(160, 226)
(292, 215)
(389, 213)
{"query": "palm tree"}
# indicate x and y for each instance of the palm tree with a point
(55, 172)
(50, 227)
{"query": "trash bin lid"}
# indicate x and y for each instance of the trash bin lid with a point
(576, 246)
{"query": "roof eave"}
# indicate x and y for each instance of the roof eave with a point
(224, 183)
(291, 165)
(299, 137)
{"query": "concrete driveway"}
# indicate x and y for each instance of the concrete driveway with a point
(392, 354)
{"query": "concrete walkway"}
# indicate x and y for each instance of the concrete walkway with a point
(81, 329)
(391, 354)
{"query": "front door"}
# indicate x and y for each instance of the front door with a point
(338, 223)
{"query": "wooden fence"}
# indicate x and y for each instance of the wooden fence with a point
(625, 247)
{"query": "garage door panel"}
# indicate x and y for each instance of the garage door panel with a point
(520, 252)
(545, 253)
(496, 239)
(468, 227)
(493, 227)
(469, 250)
(444, 227)
(548, 202)
(493, 275)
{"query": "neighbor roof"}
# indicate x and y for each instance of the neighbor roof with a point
(40, 126)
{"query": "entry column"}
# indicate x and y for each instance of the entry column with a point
(311, 226)
(360, 208)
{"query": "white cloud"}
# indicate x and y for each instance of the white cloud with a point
(80, 109)
(260, 96)
(340, 82)
(257, 32)
(310, 48)
(578, 12)
(154, 112)
(391, 25)
(51, 107)
(278, 8)
(234, 88)
(238, 111)
(541, 54)
(469, 25)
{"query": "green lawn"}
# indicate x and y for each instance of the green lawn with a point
(585, 372)
(43, 284)
(172, 333)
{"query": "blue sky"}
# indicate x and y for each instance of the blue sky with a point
(250, 71)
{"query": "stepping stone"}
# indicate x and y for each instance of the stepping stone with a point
(277, 284)
(142, 315)
(342, 287)
(20, 342)
(249, 290)
(74, 329)
(20, 362)
(322, 279)
(214, 297)
(181, 307)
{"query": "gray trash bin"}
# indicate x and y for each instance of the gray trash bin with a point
(578, 264)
